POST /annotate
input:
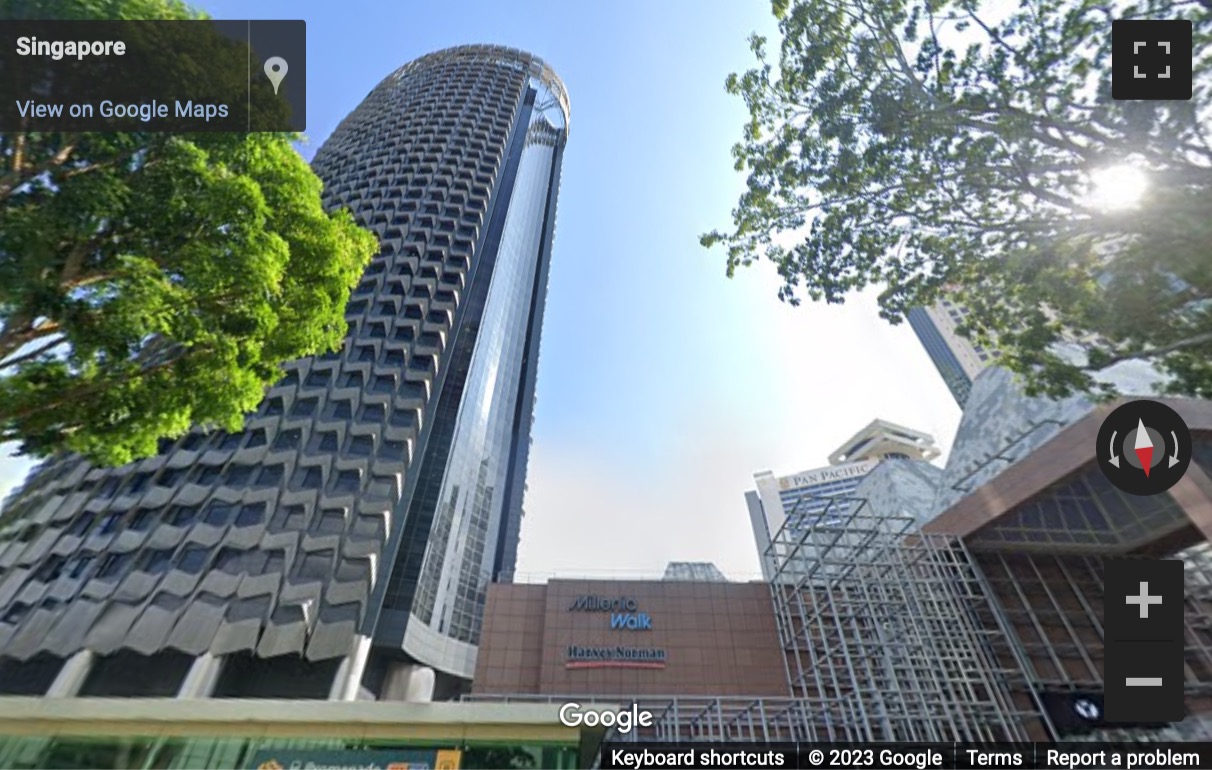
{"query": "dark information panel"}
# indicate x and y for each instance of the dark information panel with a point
(910, 756)
(178, 76)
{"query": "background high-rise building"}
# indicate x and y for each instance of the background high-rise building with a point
(957, 359)
(342, 543)
(694, 571)
(821, 496)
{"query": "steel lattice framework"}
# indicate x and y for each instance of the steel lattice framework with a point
(895, 635)
(883, 642)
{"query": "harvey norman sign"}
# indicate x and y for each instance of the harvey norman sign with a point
(614, 657)
(624, 614)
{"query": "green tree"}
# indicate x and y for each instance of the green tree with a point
(151, 282)
(930, 146)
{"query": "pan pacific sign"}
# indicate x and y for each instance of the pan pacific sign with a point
(832, 473)
(624, 611)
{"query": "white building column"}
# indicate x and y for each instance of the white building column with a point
(409, 682)
(348, 681)
(202, 677)
(71, 677)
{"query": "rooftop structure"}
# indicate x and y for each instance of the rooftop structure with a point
(821, 494)
(694, 571)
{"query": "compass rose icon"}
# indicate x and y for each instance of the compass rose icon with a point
(1144, 447)
(1087, 709)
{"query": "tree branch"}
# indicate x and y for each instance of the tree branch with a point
(109, 164)
(76, 394)
(996, 38)
(11, 341)
(18, 175)
(1189, 342)
(89, 280)
(18, 151)
(10, 362)
(74, 261)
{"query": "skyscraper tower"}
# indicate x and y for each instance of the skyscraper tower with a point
(340, 545)
(822, 496)
(957, 358)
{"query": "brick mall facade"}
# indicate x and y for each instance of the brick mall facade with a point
(628, 639)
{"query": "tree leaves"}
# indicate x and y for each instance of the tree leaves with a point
(150, 283)
(933, 146)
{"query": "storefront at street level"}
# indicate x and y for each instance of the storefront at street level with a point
(180, 734)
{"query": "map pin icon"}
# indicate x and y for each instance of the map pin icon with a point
(275, 70)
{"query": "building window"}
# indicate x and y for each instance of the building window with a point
(51, 569)
(307, 478)
(79, 565)
(192, 559)
(238, 475)
(361, 446)
(330, 522)
(315, 566)
(183, 516)
(171, 477)
(304, 407)
(251, 514)
(373, 413)
(271, 476)
(82, 524)
(141, 520)
(108, 488)
(341, 410)
(288, 439)
(14, 613)
(289, 518)
(230, 561)
(109, 524)
(113, 564)
(218, 514)
(385, 383)
(138, 483)
(157, 562)
(347, 482)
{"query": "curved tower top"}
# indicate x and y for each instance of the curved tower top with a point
(494, 54)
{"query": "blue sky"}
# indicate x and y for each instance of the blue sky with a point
(663, 386)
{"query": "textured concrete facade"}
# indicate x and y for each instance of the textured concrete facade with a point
(376, 490)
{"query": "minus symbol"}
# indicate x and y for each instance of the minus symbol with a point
(1144, 681)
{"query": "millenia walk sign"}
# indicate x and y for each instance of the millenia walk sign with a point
(624, 611)
(625, 615)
